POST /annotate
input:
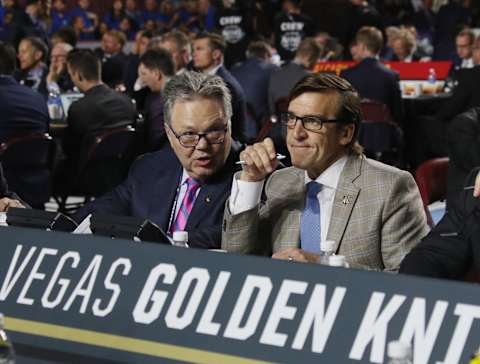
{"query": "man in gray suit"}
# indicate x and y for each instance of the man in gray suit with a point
(372, 211)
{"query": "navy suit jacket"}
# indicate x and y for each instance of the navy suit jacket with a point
(150, 190)
(253, 75)
(374, 81)
(243, 130)
(22, 110)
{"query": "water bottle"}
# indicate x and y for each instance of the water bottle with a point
(432, 76)
(327, 249)
(54, 106)
(338, 261)
(180, 238)
(7, 354)
(399, 353)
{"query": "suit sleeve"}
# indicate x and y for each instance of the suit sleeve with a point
(403, 221)
(446, 252)
(116, 202)
(241, 232)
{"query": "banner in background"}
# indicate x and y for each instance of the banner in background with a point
(406, 71)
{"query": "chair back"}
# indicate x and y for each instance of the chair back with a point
(28, 151)
(376, 112)
(107, 145)
(379, 135)
(431, 178)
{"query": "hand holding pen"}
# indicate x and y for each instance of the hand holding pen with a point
(258, 161)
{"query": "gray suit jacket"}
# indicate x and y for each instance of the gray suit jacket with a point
(377, 216)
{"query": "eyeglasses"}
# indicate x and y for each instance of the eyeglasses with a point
(309, 122)
(190, 139)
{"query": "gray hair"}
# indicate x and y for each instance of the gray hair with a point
(193, 85)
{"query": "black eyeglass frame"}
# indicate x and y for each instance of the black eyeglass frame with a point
(285, 116)
(199, 136)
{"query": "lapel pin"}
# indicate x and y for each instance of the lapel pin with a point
(347, 199)
(208, 199)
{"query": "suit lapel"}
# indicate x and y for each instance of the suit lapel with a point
(163, 196)
(208, 196)
(345, 199)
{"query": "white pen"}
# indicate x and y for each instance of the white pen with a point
(279, 158)
(469, 187)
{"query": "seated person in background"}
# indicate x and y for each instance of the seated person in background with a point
(100, 109)
(183, 186)
(432, 137)
(22, 110)
(404, 47)
(32, 53)
(178, 44)
(371, 210)
(208, 53)
(282, 81)
(114, 61)
(58, 80)
(155, 69)
(386, 88)
(253, 75)
(463, 134)
(451, 249)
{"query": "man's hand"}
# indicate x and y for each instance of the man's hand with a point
(260, 161)
(6, 203)
(476, 190)
(297, 255)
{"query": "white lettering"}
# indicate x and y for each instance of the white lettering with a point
(149, 293)
(467, 314)
(63, 283)
(109, 285)
(281, 310)
(206, 324)
(374, 327)
(90, 275)
(172, 318)
(322, 320)
(414, 328)
(9, 283)
(252, 282)
(34, 274)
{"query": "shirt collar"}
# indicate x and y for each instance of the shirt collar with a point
(331, 176)
(213, 71)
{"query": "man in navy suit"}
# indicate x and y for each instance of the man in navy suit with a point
(197, 109)
(370, 78)
(208, 51)
(253, 75)
(23, 110)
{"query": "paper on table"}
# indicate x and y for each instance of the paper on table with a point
(84, 226)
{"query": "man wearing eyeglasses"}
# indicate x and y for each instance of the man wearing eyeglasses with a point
(183, 186)
(372, 211)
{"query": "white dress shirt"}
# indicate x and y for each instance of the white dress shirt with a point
(246, 195)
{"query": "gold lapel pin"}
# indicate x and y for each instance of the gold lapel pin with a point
(208, 199)
(347, 199)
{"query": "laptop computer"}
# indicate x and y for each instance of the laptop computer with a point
(67, 99)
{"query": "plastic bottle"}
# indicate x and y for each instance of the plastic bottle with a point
(399, 353)
(327, 249)
(54, 104)
(432, 76)
(7, 354)
(338, 261)
(180, 238)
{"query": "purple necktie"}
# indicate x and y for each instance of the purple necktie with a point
(186, 206)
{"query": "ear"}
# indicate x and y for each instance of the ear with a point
(216, 54)
(38, 56)
(346, 134)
